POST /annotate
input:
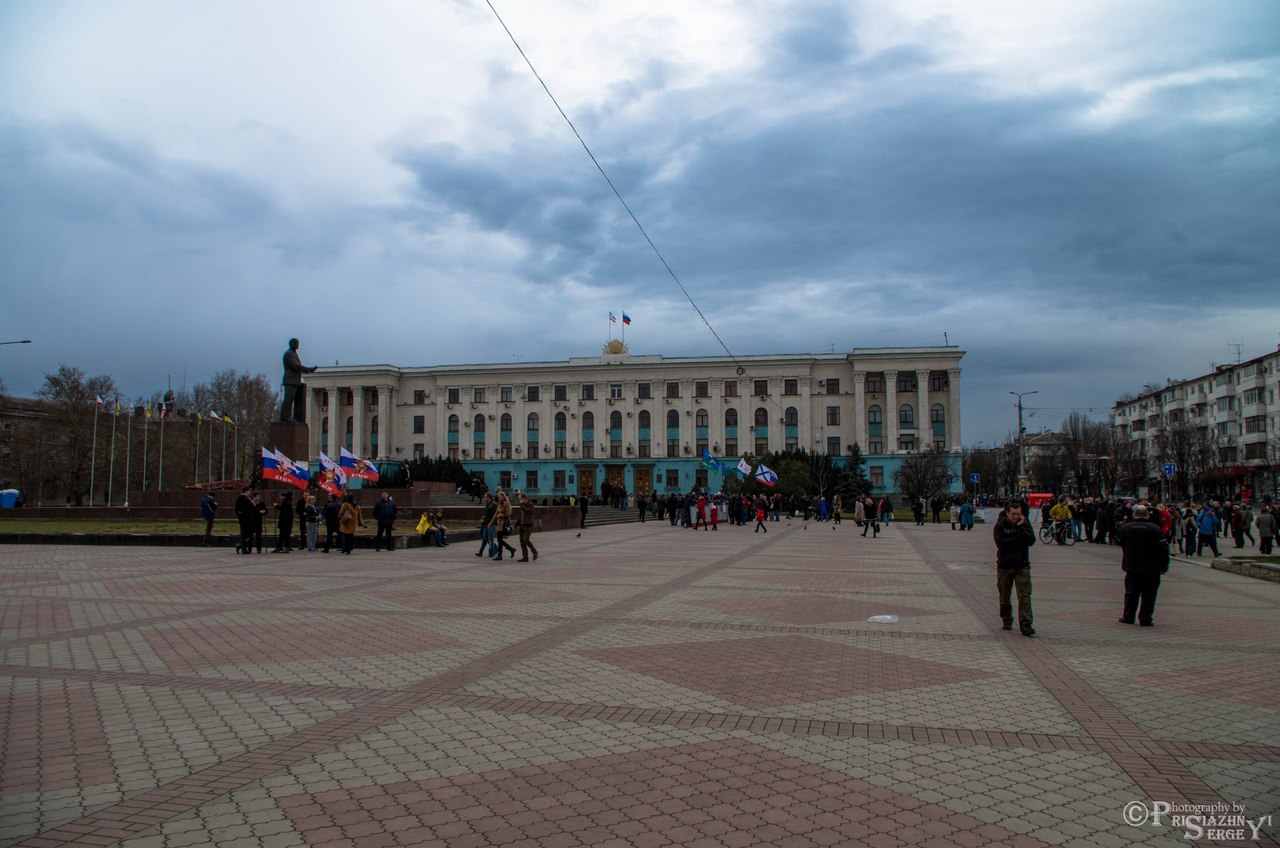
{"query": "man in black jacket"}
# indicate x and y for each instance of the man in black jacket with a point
(1146, 557)
(245, 514)
(384, 512)
(331, 510)
(284, 524)
(1014, 538)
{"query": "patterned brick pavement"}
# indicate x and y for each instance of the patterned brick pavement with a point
(638, 686)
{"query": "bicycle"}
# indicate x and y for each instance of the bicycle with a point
(1057, 531)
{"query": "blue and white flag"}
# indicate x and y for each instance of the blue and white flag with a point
(709, 460)
(766, 476)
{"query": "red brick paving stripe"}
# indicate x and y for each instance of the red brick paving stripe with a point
(1160, 776)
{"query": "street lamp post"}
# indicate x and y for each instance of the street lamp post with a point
(1019, 396)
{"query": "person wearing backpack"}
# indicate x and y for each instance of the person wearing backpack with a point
(1146, 557)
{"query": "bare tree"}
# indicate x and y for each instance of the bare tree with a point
(71, 402)
(923, 473)
(1049, 468)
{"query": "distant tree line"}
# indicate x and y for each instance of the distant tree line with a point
(47, 444)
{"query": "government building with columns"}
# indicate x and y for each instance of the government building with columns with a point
(559, 428)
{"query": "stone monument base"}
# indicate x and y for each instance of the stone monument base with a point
(291, 439)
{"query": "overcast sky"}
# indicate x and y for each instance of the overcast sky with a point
(1084, 196)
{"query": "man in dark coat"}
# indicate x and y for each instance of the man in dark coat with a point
(208, 511)
(1146, 557)
(1014, 538)
(284, 524)
(384, 512)
(331, 510)
(245, 513)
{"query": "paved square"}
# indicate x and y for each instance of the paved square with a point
(640, 685)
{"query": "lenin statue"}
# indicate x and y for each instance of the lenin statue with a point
(292, 408)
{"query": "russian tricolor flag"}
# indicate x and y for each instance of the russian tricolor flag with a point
(626, 319)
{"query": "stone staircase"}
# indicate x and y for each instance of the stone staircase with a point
(599, 516)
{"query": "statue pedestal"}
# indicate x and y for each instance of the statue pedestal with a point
(292, 440)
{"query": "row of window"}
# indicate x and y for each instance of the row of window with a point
(701, 389)
(644, 449)
(670, 480)
(672, 389)
(791, 418)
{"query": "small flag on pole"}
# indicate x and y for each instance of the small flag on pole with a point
(102, 404)
(148, 410)
(214, 417)
(766, 476)
(229, 420)
(612, 318)
(626, 319)
(744, 467)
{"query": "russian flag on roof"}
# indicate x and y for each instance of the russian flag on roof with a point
(626, 319)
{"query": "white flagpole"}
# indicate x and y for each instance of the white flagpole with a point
(235, 451)
(111, 469)
(195, 469)
(209, 479)
(93, 460)
(128, 455)
(144, 451)
(224, 452)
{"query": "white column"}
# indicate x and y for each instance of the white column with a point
(385, 429)
(313, 421)
(953, 410)
(891, 412)
(924, 424)
(357, 421)
(335, 422)
(860, 410)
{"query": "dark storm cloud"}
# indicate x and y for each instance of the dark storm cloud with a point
(950, 189)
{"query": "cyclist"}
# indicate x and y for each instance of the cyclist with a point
(1060, 515)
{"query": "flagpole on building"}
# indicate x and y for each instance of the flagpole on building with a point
(93, 461)
(128, 455)
(111, 469)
